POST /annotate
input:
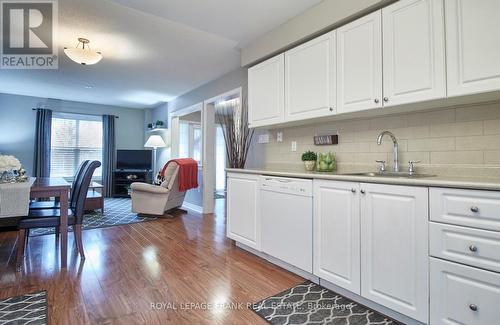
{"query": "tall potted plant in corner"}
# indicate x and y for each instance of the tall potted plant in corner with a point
(232, 115)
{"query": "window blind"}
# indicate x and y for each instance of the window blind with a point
(74, 138)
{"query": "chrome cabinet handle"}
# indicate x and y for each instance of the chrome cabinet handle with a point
(376, 100)
(362, 191)
(473, 248)
(473, 307)
(353, 190)
(474, 209)
(386, 99)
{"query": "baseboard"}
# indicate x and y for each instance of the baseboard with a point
(280, 263)
(192, 207)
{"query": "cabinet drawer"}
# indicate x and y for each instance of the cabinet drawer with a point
(480, 209)
(463, 295)
(475, 247)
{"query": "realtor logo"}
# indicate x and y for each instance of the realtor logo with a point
(28, 34)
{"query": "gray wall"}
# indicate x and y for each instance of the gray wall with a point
(229, 81)
(326, 15)
(17, 124)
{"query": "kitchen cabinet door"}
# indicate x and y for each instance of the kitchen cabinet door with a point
(266, 92)
(336, 233)
(310, 79)
(463, 295)
(394, 248)
(359, 64)
(243, 219)
(472, 46)
(414, 51)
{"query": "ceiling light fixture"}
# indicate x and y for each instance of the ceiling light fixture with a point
(84, 55)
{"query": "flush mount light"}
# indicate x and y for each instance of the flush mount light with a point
(84, 54)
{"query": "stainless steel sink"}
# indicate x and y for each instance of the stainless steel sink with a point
(390, 174)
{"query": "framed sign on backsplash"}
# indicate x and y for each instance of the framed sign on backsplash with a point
(326, 140)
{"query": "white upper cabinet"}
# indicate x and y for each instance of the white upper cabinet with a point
(359, 64)
(266, 82)
(414, 51)
(336, 233)
(394, 248)
(310, 79)
(473, 46)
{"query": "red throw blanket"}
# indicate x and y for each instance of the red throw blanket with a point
(188, 173)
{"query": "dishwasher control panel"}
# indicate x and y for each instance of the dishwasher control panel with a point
(296, 186)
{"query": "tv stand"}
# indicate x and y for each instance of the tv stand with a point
(122, 178)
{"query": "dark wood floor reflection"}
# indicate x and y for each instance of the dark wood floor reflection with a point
(180, 265)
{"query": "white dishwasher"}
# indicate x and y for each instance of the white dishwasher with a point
(287, 220)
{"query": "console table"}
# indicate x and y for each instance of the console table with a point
(94, 198)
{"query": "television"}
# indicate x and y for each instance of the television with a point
(134, 159)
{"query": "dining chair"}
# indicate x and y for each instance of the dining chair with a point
(36, 205)
(47, 218)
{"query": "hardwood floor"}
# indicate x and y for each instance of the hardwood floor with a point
(178, 265)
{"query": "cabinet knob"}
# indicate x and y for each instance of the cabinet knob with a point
(386, 99)
(331, 109)
(474, 209)
(473, 248)
(473, 307)
(353, 190)
(376, 100)
(362, 191)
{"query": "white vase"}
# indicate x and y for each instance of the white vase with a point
(309, 165)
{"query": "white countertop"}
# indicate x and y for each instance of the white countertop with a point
(486, 183)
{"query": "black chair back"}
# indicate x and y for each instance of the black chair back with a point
(82, 188)
(78, 175)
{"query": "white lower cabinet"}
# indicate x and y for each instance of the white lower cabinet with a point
(463, 295)
(243, 218)
(371, 239)
(336, 233)
(394, 248)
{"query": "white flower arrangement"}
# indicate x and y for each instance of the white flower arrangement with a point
(9, 163)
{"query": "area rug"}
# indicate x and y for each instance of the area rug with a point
(117, 211)
(309, 303)
(26, 309)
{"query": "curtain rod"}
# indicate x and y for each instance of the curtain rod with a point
(35, 109)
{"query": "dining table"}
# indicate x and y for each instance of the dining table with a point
(58, 188)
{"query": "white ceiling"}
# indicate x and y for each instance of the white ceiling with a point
(154, 50)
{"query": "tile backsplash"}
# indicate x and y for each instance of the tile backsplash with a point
(451, 141)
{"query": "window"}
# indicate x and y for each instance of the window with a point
(190, 140)
(74, 138)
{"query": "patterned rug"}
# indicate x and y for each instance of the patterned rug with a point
(309, 303)
(26, 309)
(117, 211)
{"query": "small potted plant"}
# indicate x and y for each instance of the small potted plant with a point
(309, 159)
(150, 126)
(159, 124)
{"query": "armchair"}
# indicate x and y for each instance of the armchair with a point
(155, 200)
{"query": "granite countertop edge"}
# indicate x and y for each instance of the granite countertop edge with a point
(490, 184)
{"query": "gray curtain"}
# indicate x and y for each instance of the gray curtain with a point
(41, 166)
(108, 153)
